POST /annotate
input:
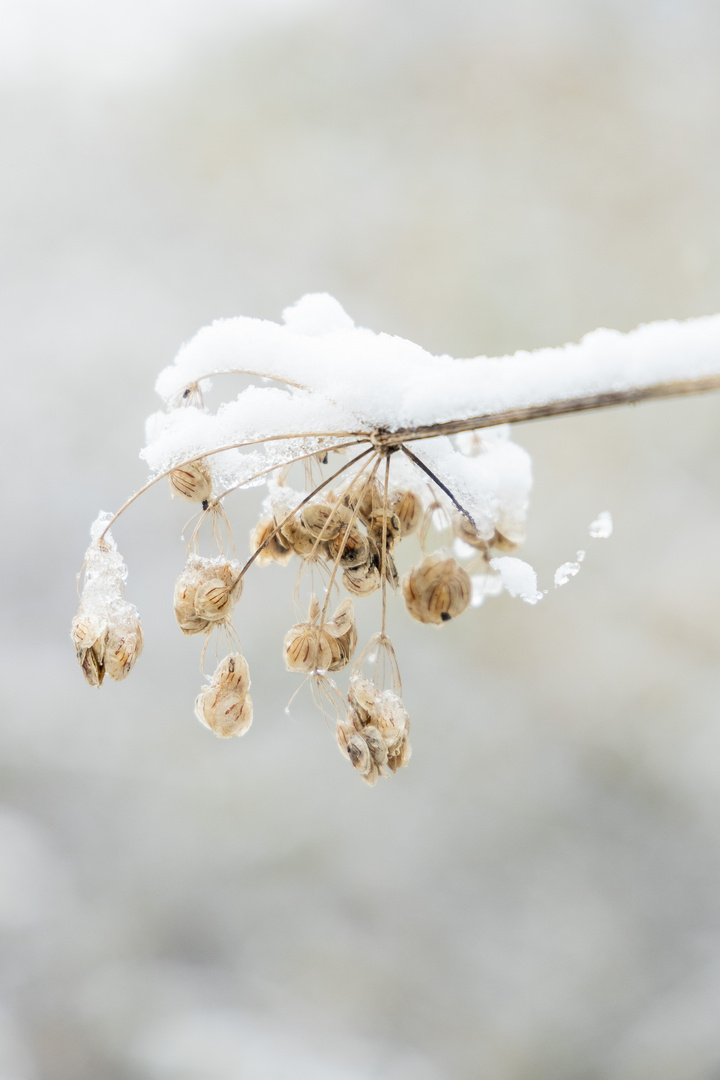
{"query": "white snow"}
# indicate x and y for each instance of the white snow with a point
(602, 526)
(518, 578)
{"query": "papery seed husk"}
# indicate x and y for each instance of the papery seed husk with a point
(306, 649)
(363, 496)
(225, 712)
(503, 543)
(362, 694)
(356, 748)
(275, 550)
(362, 580)
(390, 717)
(354, 546)
(212, 600)
(192, 481)
(88, 636)
(376, 744)
(399, 755)
(302, 542)
(232, 673)
(437, 590)
(391, 521)
(123, 645)
(324, 520)
(468, 533)
(408, 507)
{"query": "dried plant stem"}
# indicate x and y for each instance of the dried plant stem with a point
(436, 480)
(383, 553)
(241, 371)
(552, 408)
(221, 449)
(313, 493)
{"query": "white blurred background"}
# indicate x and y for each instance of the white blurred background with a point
(537, 896)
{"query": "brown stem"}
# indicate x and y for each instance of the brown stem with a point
(436, 480)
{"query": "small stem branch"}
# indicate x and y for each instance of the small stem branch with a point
(436, 480)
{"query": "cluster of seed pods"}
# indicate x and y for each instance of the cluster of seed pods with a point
(349, 536)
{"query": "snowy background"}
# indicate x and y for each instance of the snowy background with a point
(536, 896)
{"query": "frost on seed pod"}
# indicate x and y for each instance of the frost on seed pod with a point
(275, 549)
(206, 593)
(106, 631)
(437, 590)
(192, 481)
(225, 705)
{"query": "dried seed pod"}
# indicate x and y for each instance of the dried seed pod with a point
(324, 521)
(376, 745)
(341, 635)
(391, 719)
(192, 481)
(205, 594)
(362, 694)
(362, 580)
(297, 536)
(380, 518)
(408, 507)
(504, 543)
(225, 712)
(306, 649)
(356, 748)
(88, 636)
(363, 496)
(399, 754)
(437, 590)
(123, 645)
(466, 531)
(232, 673)
(275, 549)
(351, 545)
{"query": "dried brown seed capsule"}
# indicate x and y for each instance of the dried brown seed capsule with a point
(88, 636)
(362, 580)
(354, 745)
(232, 673)
(391, 522)
(437, 590)
(225, 712)
(324, 521)
(192, 481)
(306, 649)
(275, 549)
(300, 539)
(363, 496)
(123, 645)
(407, 506)
(504, 543)
(376, 745)
(468, 533)
(351, 545)
(205, 594)
(341, 635)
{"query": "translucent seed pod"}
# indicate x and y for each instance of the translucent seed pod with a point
(275, 549)
(300, 539)
(399, 754)
(123, 645)
(437, 590)
(88, 636)
(232, 673)
(504, 543)
(340, 634)
(205, 594)
(363, 496)
(225, 712)
(362, 580)
(192, 481)
(351, 545)
(375, 560)
(306, 649)
(390, 718)
(391, 522)
(376, 745)
(408, 507)
(213, 600)
(323, 520)
(356, 748)
(468, 533)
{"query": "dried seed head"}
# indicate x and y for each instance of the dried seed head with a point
(323, 520)
(390, 521)
(351, 546)
(363, 496)
(341, 635)
(379, 719)
(205, 594)
(88, 636)
(407, 506)
(362, 580)
(437, 590)
(307, 649)
(192, 481)
(123, 645)
(468, 533)
(232, 673)
(297, 536)
(275, 549)
(376, 745)
(356, 748)
(225, 712)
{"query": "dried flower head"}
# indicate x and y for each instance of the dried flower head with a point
(225, 705)
(205, 593)
(267, 538)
